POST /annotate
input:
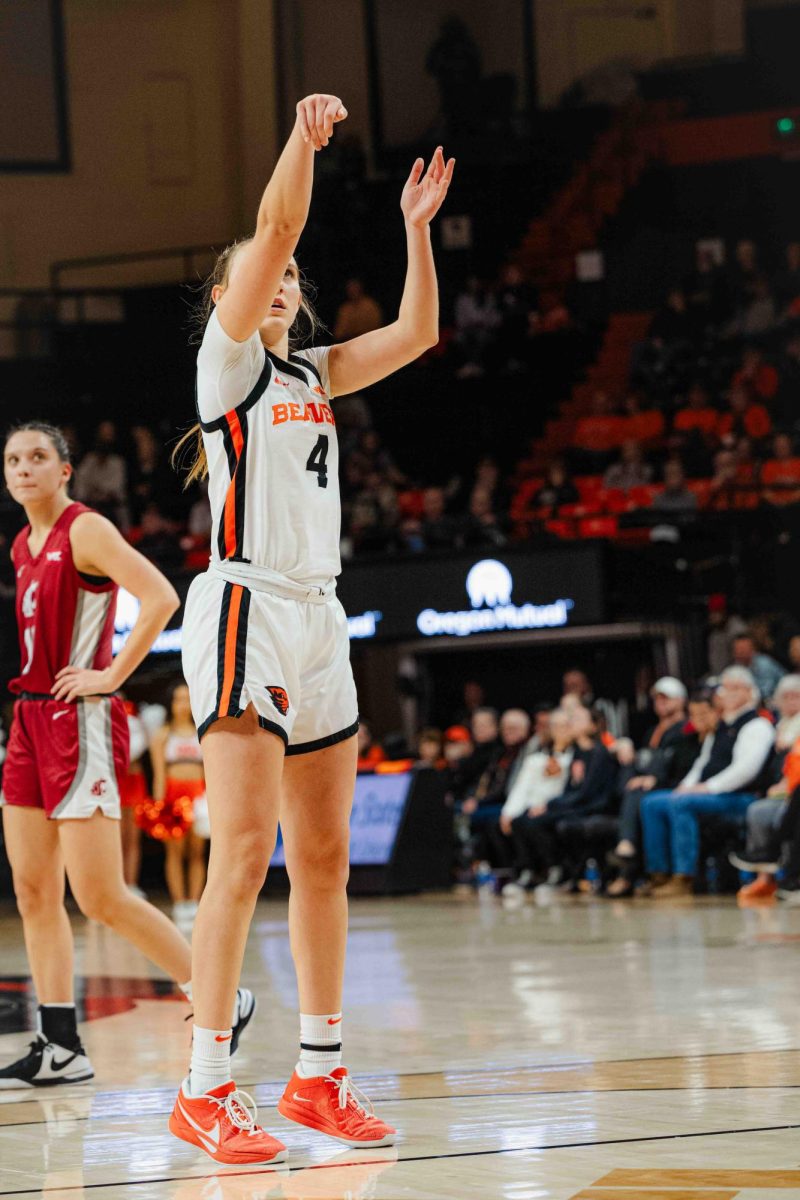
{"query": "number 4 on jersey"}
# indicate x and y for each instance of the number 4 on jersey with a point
(318, 460)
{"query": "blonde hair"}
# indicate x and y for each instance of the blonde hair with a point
(191, 443)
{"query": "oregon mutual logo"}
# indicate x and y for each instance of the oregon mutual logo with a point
(489, 587)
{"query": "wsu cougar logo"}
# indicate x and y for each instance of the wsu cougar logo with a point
(29, 600)
(279, 699)
(489, 582)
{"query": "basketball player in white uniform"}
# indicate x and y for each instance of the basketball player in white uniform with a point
(266, 646)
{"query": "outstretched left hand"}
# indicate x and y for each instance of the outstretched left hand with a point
(72, 682)
(424, 195)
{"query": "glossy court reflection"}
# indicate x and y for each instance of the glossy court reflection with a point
(581, 1049)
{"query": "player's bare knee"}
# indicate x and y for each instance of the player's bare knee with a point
(245, 877)
(103, 905)
(322, 865)
(35, 896)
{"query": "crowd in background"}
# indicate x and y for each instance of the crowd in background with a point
(709, 421)
(704, 798)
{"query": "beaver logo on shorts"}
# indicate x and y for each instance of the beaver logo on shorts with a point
(279, 699)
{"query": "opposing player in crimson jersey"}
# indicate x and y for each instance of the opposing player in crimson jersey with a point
(68, 748)
(266, 649)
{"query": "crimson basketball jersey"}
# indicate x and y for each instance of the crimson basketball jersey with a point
(63, 618)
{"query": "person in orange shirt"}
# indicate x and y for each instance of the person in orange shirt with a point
(757, 373)
(369, 752)
(783, 470)
(697, 415)
(745, 418)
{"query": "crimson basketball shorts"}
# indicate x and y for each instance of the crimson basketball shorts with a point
(68, 759)
(289, 658)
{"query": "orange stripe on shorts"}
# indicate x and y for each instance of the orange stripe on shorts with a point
(230, 649)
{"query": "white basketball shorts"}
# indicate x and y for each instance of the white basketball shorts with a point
(289, 658)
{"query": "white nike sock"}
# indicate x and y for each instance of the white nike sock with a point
(320, 1044)
(186, 988)
(211, 1059)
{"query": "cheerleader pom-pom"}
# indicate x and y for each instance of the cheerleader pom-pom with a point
(165, 819)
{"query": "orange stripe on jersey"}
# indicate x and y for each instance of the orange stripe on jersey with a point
(230, 649)
(229, 514)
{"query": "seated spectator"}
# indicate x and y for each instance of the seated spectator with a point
(369, 752)
(676, 497)
(743, 272)
(156, 537)
(724, 780)
(765, 817)
(483, 806)
(764, 669)
(784, 405)
(557, 489)
(577, 691)
(646, 769)
(723, 627)
(372, 457)
(457, 745)
(780, 475)
(672, 322)
(698, 416)
(542, 776)
(745, 417)
(598, 435)
(588, 790)
(429, 749)
(553, 316)
(515, 300)
(101, 478)
(757, 315)
(724, 486)
(630, 470)
(705, 290)
(439, 531)
(477, 318)
(481, 525)
(757, 374)
(786, 283)
(484, 730)
(358, 313)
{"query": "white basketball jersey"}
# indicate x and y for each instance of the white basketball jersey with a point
(273, 457)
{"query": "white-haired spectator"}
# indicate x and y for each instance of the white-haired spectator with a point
(765, 817)
(766, 672)
(730, 773)
(787, 702)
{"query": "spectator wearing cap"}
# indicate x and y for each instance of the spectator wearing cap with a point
(764, 669)
(645, 770)
(457, 745)
(765, 817)
(726, 778)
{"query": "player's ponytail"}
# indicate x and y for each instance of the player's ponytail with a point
(197, 467)
(307, 319)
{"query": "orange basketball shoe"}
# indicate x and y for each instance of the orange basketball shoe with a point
(220, 1122)
(332, 1105)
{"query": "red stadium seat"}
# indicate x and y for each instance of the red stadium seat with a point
(598, 527)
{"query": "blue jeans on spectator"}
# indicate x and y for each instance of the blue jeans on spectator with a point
(671, 826)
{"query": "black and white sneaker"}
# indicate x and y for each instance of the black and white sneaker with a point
(745, 862)
(46, 1065)
(245, 1007)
